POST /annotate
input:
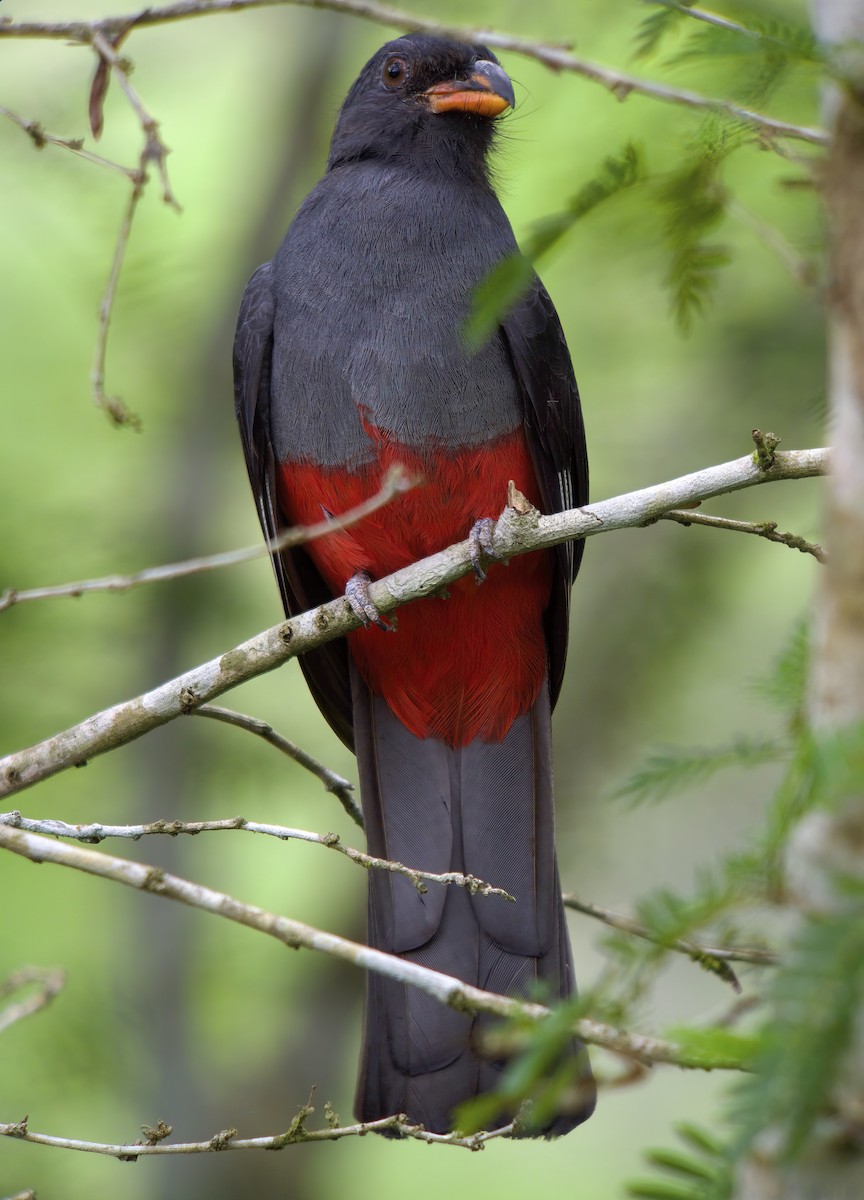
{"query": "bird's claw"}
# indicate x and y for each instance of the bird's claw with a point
(480, 537)
(357, 595)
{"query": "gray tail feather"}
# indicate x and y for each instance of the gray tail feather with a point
(485, 809)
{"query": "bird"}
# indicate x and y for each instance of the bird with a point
(351, 357)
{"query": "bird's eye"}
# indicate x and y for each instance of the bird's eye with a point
(395, 72)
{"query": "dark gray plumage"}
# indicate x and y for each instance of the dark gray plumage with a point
(350, 344)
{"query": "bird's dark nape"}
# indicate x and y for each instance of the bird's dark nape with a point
(350, 358)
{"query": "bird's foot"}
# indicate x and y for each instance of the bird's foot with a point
(357, 595)
(480, 537)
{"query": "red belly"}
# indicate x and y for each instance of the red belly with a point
(457, 669)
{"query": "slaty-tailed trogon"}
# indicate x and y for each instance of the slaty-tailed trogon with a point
(350, 356)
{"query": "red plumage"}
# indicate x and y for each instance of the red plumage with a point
(459, 669)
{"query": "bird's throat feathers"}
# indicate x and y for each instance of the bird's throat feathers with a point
(423, 142)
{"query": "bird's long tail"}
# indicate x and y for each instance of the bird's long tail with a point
(484, 809)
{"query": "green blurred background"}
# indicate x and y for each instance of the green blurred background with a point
(167, 1012)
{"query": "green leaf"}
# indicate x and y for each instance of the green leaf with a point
(785, 688)
(826, 769)
(815, 999)
(655, 27)
(681, 1164)
(692, 278)
(495, 296)
(714, 1047)
(538, 1077)
(700, 1139)
(838, 758)
(703, 1177)
(506, 283)
(675, 768)
(658, 1189)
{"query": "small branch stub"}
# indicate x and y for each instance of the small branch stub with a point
(766, 444)
(517, 500)
(157, 1133)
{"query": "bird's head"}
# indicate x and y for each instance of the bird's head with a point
(426, 99)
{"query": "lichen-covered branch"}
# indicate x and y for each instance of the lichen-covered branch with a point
(445, 988)
(227, 1139)
(763, 529)
(715, 959)
(96, 832)
(515, 533)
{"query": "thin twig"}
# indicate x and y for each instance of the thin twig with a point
(515, 533)
(446, 989)
(556, 58)
(341, 788)
(763, 529)
(96, 832)
(154, 151)
(713, 958)
(710, 18)
(395, 482)
(801, 269)
(116, 409)
(48, 980)
(227, 1139)
(40, 137)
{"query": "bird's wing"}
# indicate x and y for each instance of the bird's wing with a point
(301, 587)
(556, 437)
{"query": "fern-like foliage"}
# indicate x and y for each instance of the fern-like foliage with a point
(755, 36)
(824, 771)
(693, 199)
(698, 1171)
(504, 285)
(654, 29)
(541, 1079)
(693, 202)
(675, 768)
(814, 1000)
(785, 686)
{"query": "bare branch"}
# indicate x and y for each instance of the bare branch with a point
(48, 980)
(96, 832)
(227, 1139)
(445, 988)
(40, 138)
(155, 151)
(710, 18)
(341, 788)
(763, 529)
(801, 269)
(555, 57)
(393, 484)
(713, 958)
(515, 533)
(115, 408)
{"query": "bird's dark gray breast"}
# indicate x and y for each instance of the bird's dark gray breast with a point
(372, 286)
